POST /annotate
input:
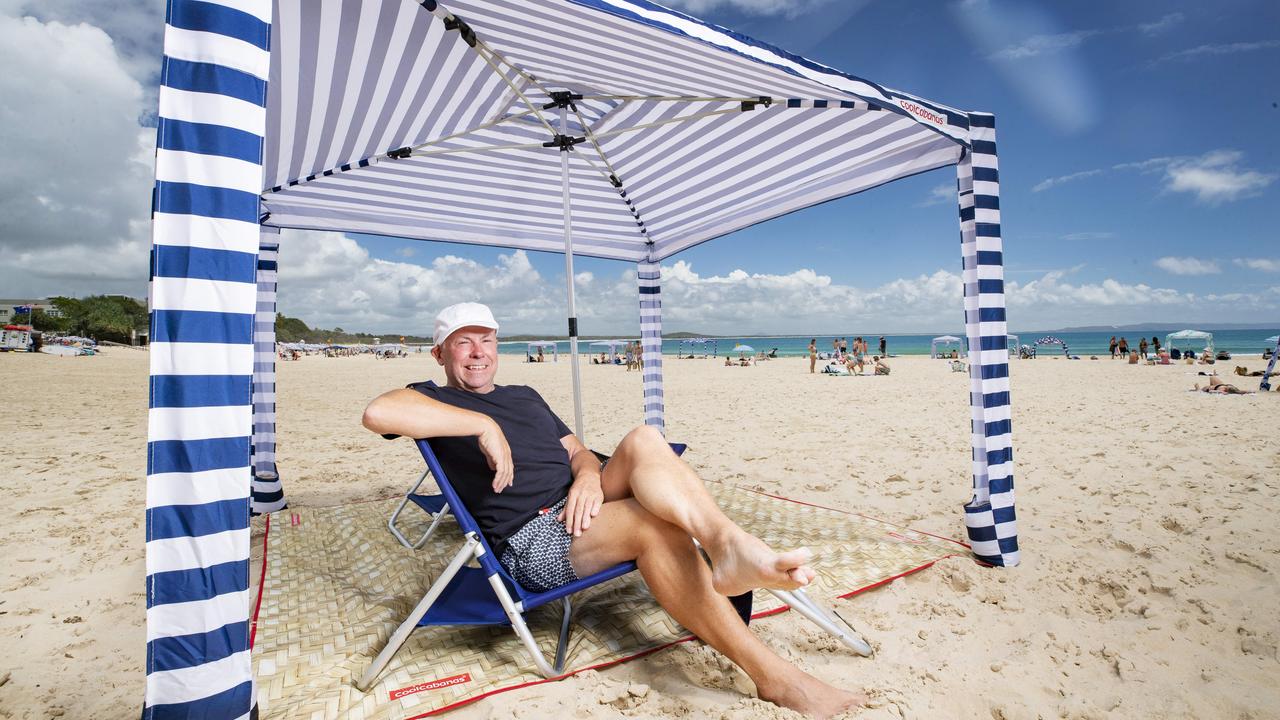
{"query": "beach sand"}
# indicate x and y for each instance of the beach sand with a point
(1148, 587)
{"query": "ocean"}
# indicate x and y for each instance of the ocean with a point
(1245, 342)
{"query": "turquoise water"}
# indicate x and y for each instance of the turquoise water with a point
(1234, 341)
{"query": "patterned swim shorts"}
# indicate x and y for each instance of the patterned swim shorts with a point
(537, 555)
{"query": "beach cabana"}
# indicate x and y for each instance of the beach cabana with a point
(610, 346)
(694, 345)
(945, 341)
(1051, 340)
(534, 346)
(613, 129)
(1189, 340)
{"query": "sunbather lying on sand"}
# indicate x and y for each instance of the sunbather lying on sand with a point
(1216, 385)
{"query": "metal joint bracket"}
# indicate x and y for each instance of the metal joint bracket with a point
(749, 105)
(564, 142)
(400, 153)
(613, 180)
(562, 98)
(456, 23)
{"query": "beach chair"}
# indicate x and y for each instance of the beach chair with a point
(488, 595)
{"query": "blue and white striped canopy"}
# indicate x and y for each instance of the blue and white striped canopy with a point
(450, 122)
(685, 131)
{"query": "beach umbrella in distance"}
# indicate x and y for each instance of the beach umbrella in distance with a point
(1272, 340)
(740, 348)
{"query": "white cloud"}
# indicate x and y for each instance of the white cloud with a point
(1188, 266)
(1263, 264)
(1052, 291)
(406, 252)
(1216, 177)
(1163, 24)
(1054, 181)
(1214, 50)
(1043, 44)
(939, 195)
(785, 8)
(1079, 236)
(75, 193)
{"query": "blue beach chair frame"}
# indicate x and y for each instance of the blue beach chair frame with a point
(488, 595)
(484, 595)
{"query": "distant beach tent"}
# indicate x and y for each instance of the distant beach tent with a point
(613, 129)
(612, 346)
(534, 346)
(1274, 339)
(1189, 340)
(943, 340)
(1051, 340)
(742, 349)
(696, 346)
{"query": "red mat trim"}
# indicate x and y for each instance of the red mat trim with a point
(257, 605)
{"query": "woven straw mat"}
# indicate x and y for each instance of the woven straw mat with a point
(337, 584)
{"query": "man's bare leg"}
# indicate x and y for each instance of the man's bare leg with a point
(681, 583)
(644, 467)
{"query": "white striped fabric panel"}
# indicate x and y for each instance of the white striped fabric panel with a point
(212, 114)
(990, 520)
(649, 279)
(268, 490)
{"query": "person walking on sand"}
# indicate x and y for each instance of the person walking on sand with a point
(1155, 344)
(813, 354)
(1142, 348)
(1113, 347)
(554, 513)
(883, 346)
(1124, 347)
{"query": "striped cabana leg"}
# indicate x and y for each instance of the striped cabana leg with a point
(1265, 386)
(649, 277)
(212, 118)
(268, 490)
(989, 516)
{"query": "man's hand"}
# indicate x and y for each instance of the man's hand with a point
(583, 503)
(494, 446)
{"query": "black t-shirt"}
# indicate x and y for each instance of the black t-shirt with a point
(542, 475)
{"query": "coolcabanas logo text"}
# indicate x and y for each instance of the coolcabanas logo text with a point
(922, 113)
(433, 685)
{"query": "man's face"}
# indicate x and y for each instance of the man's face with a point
(470, 358)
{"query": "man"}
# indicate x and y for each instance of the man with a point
(553, 513)
(883, 346)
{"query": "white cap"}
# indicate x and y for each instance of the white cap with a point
(462, 315)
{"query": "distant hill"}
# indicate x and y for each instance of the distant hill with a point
(1168, 327)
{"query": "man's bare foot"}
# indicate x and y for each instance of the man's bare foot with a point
(743, 562)
(810, 696)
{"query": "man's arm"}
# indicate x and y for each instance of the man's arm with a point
(585, 496)
(412, 414)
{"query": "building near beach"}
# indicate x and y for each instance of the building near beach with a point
(8, 308)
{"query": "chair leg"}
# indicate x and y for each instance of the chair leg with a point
(815, 613)
(522, 630)
(435, 518)
(563, 646)
(401, 634)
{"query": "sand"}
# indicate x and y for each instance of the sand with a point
(1148, 587)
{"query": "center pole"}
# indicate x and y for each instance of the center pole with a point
(568, 273)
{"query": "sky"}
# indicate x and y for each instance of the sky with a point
(1139, 167)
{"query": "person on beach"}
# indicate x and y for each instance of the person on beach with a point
(1124, 347)
(1113, 347)
(554, 513)
(835, 349)
(1217, 385)
(813, 354)
(883, 345)
(881, 367)
(1142, 348)
(1155, 344)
